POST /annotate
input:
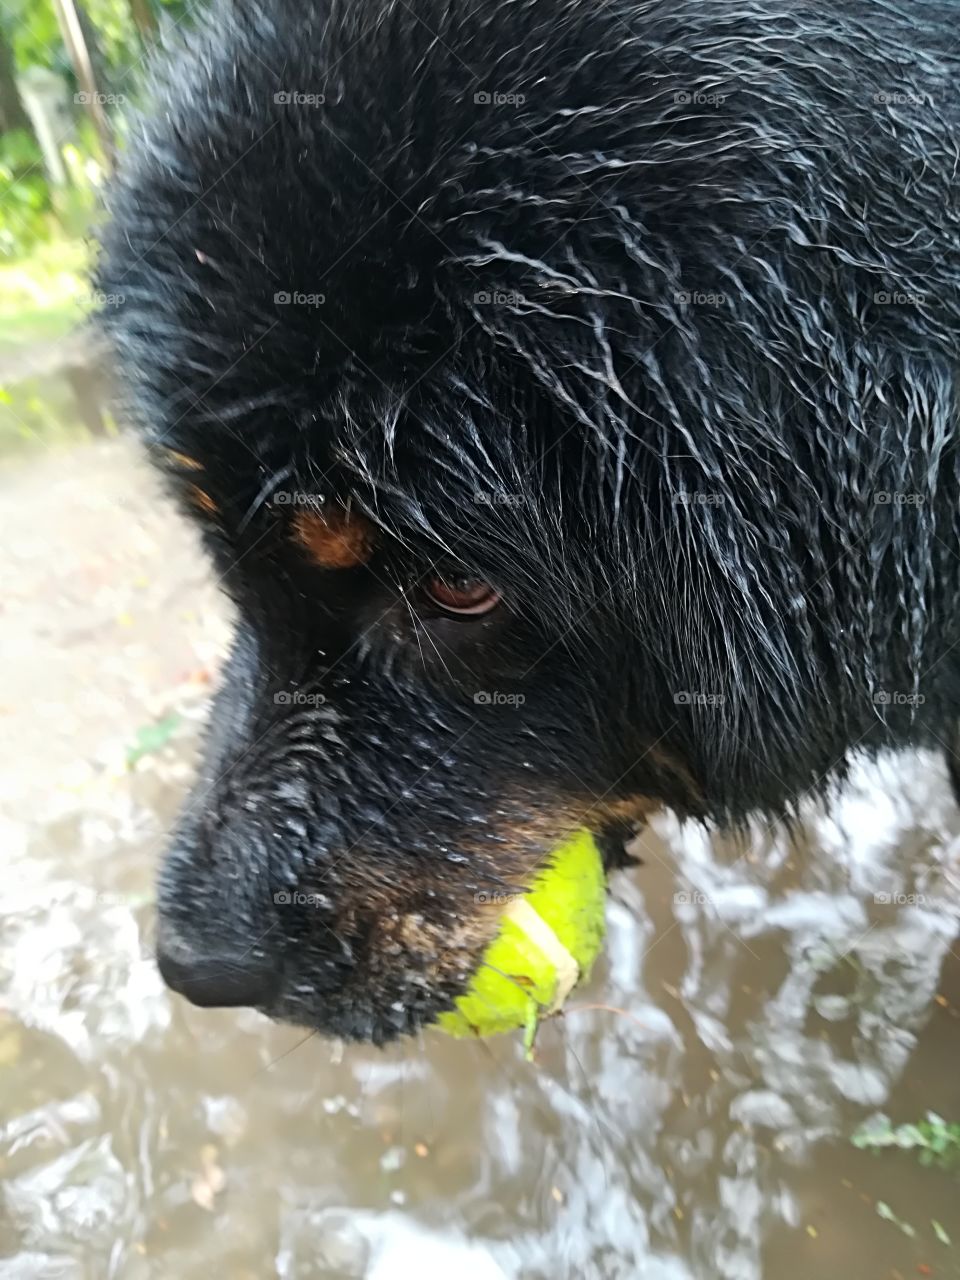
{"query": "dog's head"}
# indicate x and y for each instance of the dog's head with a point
(430, 687)
(352, 387)
(427, 692)
(403, 733)
(521, 536)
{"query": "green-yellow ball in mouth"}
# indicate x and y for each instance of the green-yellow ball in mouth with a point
(547, 941)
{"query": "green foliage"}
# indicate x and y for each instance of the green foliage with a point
(25, 203)
(116, 35)
(44, 291)
(34, 35)
(52, 279)
(29, 211)
(153, 737)
(934, 1140)
(33, 32)
(36, 414)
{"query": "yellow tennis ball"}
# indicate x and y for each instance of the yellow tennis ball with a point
(547, 941)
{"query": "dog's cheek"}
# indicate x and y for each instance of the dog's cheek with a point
(433, 949)
(425, 921)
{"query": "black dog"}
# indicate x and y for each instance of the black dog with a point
(568, 392)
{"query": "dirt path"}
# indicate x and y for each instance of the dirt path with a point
(110, 622)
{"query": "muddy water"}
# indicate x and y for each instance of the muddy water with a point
(690, 1116)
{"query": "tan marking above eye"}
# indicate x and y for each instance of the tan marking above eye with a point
(202, 500)
(334, 539)
(184, 460)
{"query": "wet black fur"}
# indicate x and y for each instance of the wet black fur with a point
(680, 301)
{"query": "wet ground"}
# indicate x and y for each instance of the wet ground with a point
(690, 1116)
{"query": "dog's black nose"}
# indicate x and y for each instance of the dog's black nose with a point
(215, 979)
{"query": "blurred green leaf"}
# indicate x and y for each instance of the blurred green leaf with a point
(935, 1140)
(940, 1233)
(885, 1212)
(153, 737)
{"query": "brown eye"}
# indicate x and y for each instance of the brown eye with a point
(470, 596)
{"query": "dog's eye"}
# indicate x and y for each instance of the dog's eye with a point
(470, 596)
